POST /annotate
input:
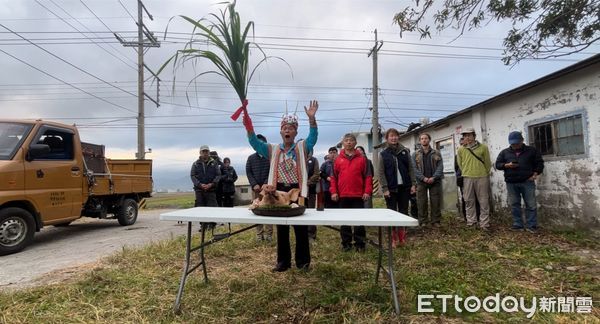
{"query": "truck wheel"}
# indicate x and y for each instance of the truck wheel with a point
(127, 212)
(16, 230)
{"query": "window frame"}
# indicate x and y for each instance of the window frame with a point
(42, 131)
(553, 121)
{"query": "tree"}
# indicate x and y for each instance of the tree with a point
(540, 29)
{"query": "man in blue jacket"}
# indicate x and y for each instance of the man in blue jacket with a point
(522, 165)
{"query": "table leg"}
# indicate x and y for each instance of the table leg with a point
(379, 254)
(186, 266)
(202, 258)
(391, 271)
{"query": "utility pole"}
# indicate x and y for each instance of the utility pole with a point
(375, 117)
(141, 43)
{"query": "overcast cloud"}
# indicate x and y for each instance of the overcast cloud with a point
(340, 81)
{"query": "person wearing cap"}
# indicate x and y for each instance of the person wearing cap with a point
(257, 171)
(474, 162)
(288, 170)
(397, 178)
(429, 171)
(205, 175)
(522, 164)
(351, 185)
(459, 184)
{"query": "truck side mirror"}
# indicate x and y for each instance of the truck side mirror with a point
(37, 150)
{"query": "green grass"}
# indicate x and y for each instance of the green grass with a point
(139, 285)
(170, 200)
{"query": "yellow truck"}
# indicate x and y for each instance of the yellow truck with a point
(49, 177)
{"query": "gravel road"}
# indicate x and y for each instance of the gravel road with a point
(58, 253)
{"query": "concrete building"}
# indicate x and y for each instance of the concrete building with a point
(560, 115)
(243, 192)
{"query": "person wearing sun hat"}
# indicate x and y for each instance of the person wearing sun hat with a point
(522, 164)
(474, 162)
(288, 170)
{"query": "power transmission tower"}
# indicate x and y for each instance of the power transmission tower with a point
(375, 131)
(141, 43)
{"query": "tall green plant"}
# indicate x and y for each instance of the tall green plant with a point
(231, 57)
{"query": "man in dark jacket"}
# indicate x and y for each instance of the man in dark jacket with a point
(219, 188)
(522, 165)
(326, 174)
(429, 171)
(227, 182)
(205, 175)
(257, 171)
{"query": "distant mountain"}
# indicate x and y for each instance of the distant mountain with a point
(172, 180)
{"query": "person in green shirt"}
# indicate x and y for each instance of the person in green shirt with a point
(474, 161)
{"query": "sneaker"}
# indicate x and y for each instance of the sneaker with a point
(532, 230)
(346, 248)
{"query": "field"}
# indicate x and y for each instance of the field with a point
(139, 286)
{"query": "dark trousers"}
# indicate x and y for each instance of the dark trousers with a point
(311, 203)
(360, 233)
(227, 199)
(205, 199)
(327, 199)
(414, 210)
(284, 254)
(398, 201)
(434, 201)
(219, 196)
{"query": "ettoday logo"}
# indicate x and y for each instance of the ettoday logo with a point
(507, 304)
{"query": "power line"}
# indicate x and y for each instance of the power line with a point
(69, 63)
(108, 28)
(127, 10)
(65, 82)
(79, 31)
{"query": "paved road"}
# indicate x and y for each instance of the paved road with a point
(64, 251)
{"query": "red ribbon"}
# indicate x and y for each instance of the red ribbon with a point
(238, 112)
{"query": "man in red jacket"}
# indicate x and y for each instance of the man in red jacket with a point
(352, 185)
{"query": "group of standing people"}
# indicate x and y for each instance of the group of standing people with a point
(346, 179)
(522, 164)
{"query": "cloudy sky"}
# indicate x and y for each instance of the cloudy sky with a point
(60, 61)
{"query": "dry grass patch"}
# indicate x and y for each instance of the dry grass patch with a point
(139, 285)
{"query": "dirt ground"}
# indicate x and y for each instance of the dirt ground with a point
(58, 253)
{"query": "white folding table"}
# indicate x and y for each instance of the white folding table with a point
(330, 217)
